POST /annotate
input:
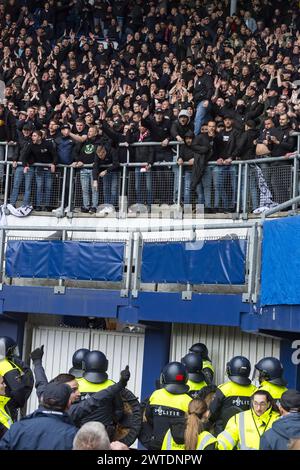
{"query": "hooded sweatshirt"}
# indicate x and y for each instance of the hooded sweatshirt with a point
(285, 428)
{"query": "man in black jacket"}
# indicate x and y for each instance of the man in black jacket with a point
(106, 166)
(225, 174)
(18, 174)
(203, 91)
(144, 154)
(41, 152)
(100, 404)
(195, 154)
(282, 144)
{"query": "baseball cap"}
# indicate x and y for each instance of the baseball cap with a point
(56, 396)
(65, 126)
(290, 400)
(199, 66)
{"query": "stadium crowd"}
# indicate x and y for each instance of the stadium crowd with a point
(82, 76)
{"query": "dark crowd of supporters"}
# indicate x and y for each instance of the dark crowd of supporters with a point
(82, 76)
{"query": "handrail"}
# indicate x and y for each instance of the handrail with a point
(278, 208)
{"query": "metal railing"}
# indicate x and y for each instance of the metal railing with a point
(239, 188)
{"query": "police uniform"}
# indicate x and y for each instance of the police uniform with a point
(230, 398)
(274, 390)
(195, 388)
(163, 408)
(19, 380)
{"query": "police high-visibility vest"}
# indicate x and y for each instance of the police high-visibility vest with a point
(208, 365)
(196, 385)
(6, 366)
(244, 430)
(204, 440)
(162, 397)
(85, 386)
(274, 390)
(5, 418)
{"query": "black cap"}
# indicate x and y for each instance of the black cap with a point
(199, 66)
(65, 126)
(158, 110)
(56, 396)
(290, 400)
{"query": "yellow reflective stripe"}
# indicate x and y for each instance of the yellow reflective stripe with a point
(241, 418)
(6, 366)
(228, 437)
(169, 441)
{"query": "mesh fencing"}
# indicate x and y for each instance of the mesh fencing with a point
(39, 187)
(85, 195)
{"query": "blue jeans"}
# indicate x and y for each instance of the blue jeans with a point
(44, 182)
(18, 180)
(86, 181)
(110, 188)
(225, 182)
(139, 179)
(201, 113)
(204, 188)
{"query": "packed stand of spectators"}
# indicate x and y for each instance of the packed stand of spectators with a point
(82, 76)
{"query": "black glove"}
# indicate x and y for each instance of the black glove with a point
(125, 375)
(37, 353)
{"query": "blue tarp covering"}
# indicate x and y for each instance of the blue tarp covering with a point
(206, 262)
(280, 277)
(67, 260)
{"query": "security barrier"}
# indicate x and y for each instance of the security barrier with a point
(238, 188)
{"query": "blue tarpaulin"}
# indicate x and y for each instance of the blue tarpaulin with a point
(67, 260)
(280, 277)
(200, 262)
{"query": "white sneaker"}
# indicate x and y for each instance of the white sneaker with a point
(106, 210)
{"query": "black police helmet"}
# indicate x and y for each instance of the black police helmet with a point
(193, 363)
(174, 377)
(77, 361)
(95, 366)
(8, 347)
(238, 370)
(271, 370)
(200, 348)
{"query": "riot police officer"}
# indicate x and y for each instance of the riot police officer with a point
(207, 368)
(196, 380)
(17, 376)
(232, 396)
(270, 376)
(167, 403)
(94, 379)
(77, 362)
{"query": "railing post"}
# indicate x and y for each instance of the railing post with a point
(129, 260)
(2, 248)
(295, 180)
(238, 200)
(69, 208)
(245, 192)
(123, 192)
(60, 211)
(179, 175)
(136, 262)
(6, 185)
(60, 289)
